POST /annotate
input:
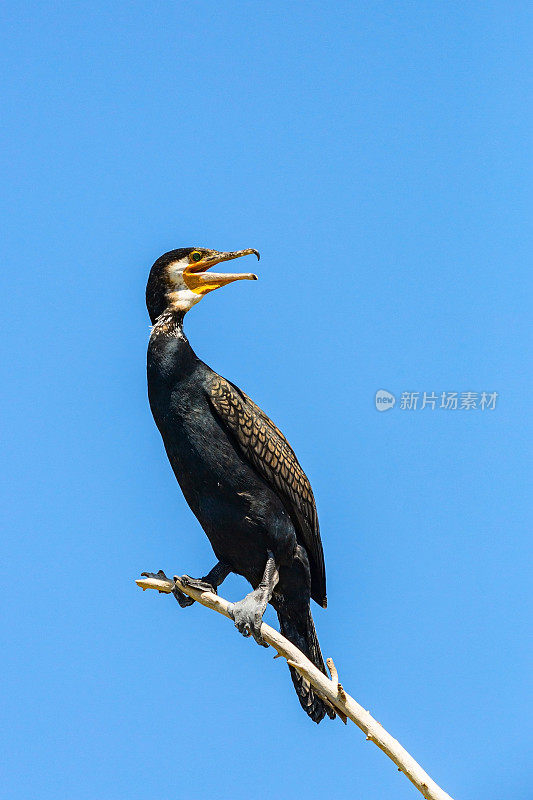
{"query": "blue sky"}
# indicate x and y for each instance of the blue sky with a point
(378, 156)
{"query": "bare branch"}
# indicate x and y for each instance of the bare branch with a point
(330, 689)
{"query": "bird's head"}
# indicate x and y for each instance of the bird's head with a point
(180, 278)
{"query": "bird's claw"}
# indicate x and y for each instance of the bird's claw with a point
(196, 583)
(183, 599)
(247, 617)
(159, 576)
(193, 583)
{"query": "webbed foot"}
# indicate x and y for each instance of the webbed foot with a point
(248, 615)
(183, 599)
(197, 583)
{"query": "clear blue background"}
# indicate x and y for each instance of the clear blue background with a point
(377, 155)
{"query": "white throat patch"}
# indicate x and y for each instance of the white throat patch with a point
(180, 297)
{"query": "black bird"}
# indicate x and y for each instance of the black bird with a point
(239, 474)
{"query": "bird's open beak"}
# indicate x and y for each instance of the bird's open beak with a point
(200, 281)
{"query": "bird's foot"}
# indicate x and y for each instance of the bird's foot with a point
(248, 615)
(159, 576)
(196, 583)
(183, 599)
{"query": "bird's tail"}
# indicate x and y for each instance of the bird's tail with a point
(302, 633)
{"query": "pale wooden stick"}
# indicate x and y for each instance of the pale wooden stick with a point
(331, 689)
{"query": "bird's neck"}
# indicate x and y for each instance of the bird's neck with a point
(169, 351)
(169, 324)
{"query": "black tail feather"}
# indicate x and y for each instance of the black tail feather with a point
(303, 635)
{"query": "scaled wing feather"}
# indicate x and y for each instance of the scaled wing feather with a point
(263, 444)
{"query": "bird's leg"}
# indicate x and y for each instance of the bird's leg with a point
(209, 582)
(183, 599)
(248, 613)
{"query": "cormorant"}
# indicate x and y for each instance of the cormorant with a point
(239, 474)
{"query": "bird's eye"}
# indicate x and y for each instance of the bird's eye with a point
(196, 256)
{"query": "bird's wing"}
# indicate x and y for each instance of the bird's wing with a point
(263, 444)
